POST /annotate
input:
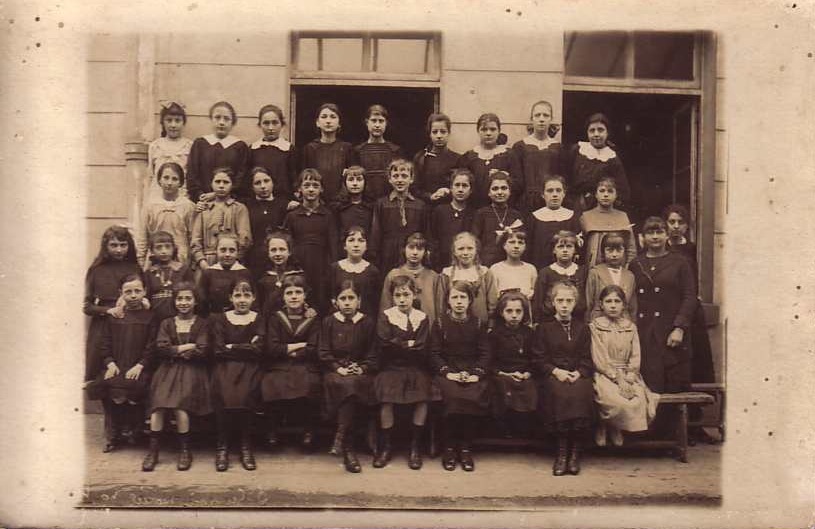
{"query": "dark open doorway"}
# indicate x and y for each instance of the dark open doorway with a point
(654, 135)
(408, 109)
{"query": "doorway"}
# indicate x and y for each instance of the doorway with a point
(655, 136)
(408, 109)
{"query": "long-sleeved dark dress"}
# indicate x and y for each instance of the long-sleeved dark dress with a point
(542, 309)
(342, 342)
(270, 289)
(288, 377)
(265, 217)
(501, 159)
(214, 287)
(445, 223)
(565, 405)
(235, 380)
(390, 228)
(159, 282)
(350, 214)
(433, 171)
(367, 280)
(586, 165)
(207, 154)
(511, 350)
(457, 346)
(279, 159)
(543, 224)
(329, 159)
(375, 158)
(666, 299)
(535, 161)
(487, 223)
(402, 370)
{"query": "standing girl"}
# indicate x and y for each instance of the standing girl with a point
(434, 164)
(376, 154)
(590, 161)
(415, 257)
(273, 152)
(328, 155)
(170, 147)
(165, 273)
(116, 260)
(466, 266)
(460, 356)
(266, 214)
(512, 273)
(219, 216)
(291, 381)
(125, 347)
(181, 382)
(563, 269)
(171, 212)
(314, 232)
(365, 276)
(624, 401)
(396, 216)
(345, 343)
(545, 222)
(611, 271)
(497, 218)
(485, 157)
(238, 337)
(603, 218)
(511, 340)
(352, 205)
(219, 149)
(401, 362)
(538, 156)
(279, 266)
(450, 219)
(215, 283)
(563, 351)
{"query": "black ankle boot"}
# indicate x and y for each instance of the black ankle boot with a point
(184, 454)
(466, 457)
(383, 451)
(150, 460)
(247, 457)
(573, 466)
(349, 458)
(339, 439)
(221, 457)
(415, 457)
(448, 459)
(559, 467)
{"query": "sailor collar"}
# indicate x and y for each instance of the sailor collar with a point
(400, 319)
(354, 319)
(235, 267)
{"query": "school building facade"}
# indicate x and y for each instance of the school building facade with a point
(659, 89)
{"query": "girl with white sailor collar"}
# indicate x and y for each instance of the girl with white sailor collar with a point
(273, 152)
(401, 361)
(219, 149)
(489, 154)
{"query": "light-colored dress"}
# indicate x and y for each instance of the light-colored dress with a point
(160, 151)
(615, 350)
(602, 276)
(483, 283)
(597, 222)
(521, 278)
(175, 217)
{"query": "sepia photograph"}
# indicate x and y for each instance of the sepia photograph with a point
(383, 266)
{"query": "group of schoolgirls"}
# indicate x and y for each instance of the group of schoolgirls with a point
(179, 322)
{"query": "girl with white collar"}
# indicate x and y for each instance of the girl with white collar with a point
(273, 152)
(563, 269)
(489, 154)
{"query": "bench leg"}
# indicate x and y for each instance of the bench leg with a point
(682, 434)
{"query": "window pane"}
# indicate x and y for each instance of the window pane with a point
(401, 56)
(342, 55)
(596, 54)
(307, 55)
(663, 55)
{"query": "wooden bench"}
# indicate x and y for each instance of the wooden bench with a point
(717, 390)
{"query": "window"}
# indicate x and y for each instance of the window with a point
(412, 56)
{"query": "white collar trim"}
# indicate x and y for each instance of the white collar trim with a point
(605, 154)
(400, 319)
(568, 271)
(352, 268)
(241, 319)
(485, 154)
(236, 266)
(227, 142)
(545, 214)
(540, 144)
(280, 143)
(355, 318)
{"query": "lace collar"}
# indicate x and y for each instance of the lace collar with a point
(354, 319)
(280, 143)
(347, 266)
(605, 324)
(400, 319)
(227, 142)
(235, 267)
(567, 271)
(241, 319)
(489, 154)
(586, 149)
(545, 214)
(540, 144)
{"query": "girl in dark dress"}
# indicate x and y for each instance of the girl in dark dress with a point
(328, 155)
(164, 274)
(181, 382)
(434, 164)
(401, 363)
(215, 285)
(279, 265)
(365, 276)
(485, 157)
(511, 343)
(563, 358)
(345, 342)
(116, 259)
(545, 222)
(563, 269)
(538, 156)
(460, 356)
(314, 232)
(376, 154)
(274, 153)
(493, 220)
(219, 149)
(291, 383)
(238, 340)
(353, 206)
(450, 219)
(125, 349)
(266, 214)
